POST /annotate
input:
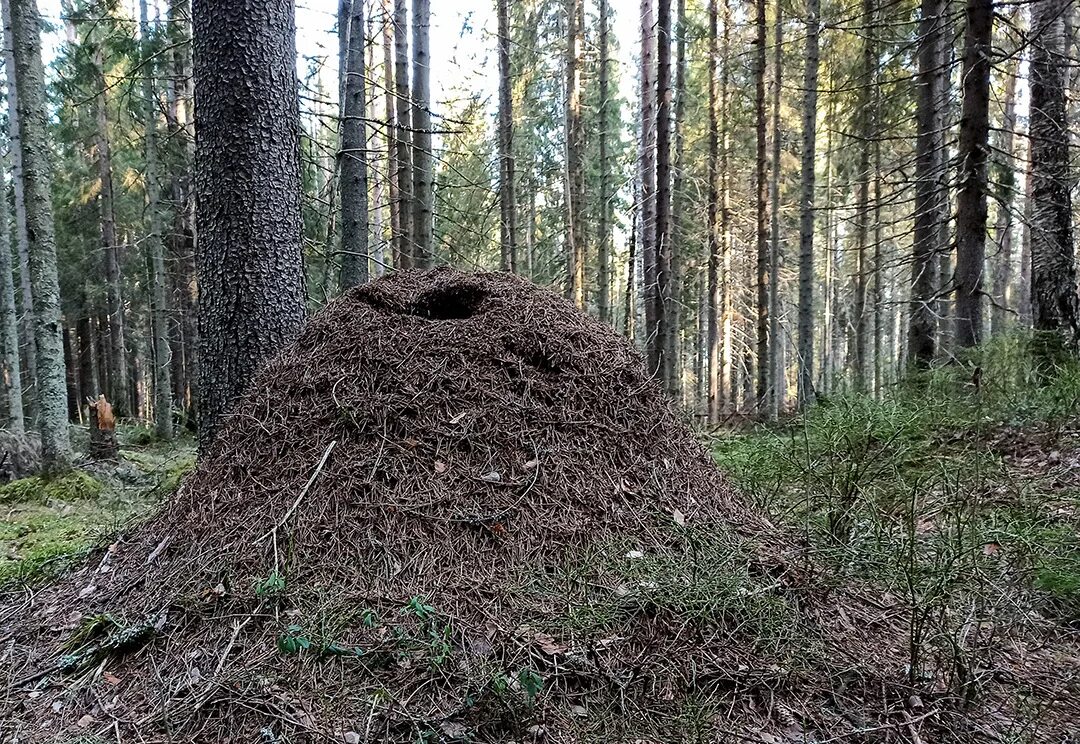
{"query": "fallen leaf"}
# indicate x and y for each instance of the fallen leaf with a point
(111, 678)
(85, 721)
(87, 591)
(440, 466)
(493, 477)
(548, 644)
(635, 555)
(679, 518)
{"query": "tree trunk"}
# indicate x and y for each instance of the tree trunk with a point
(1055, 306)
(575, 168)
(89, 387)
(603, 238)
(659, 332)
(972, 155)
(159, 312)
(70, 380)
(727, 353)
(353, 165)
(507, 199)
(806, 207)
(391, 132)
(776, 367)
(761, 207)
(677, 240)
(251, 279)
(102, 430)
(647, 176)
(423, 176)
(712, 295)
(34, 141)
(403, 159)
(867, 133)
(26, 293)
(928, 200)
(1003, 226)
(10, 370)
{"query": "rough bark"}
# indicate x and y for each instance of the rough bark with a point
(1055, 307)
(676, 278)
(808, 179)
(247, 184)
(507, 198)
(660, 342)
(928, 198)
(575, 156)
(761, 206)
(56, 452)
(603, 237)
(973, 148)
(727, 367)
(103, 444)
(423, 175)
(403, 137)
(159, 311)
(89, 387)
(866, 126)
(26, 293)
(391, 131)
(353, 165)
(10, 369)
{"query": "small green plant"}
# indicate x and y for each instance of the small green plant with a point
(369, 618)
(419, 609)
(532, 684)
(294, 640)
(271, 586)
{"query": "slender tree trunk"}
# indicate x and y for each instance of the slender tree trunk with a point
(712, 294)
(159, 312)
(507, 199)
(391, 132)
(403, 159)
(629, 310)
(603, 238)
(1003, 226)
(972, 152)
(867, 134)
(761, 208)
(806, 207)
(929, 200)
(676, 279)
(575, 166)
(10, 370)
(727, 392)
(776, 367)
(378, 173)
(1055, 306)
(34, 141)
(84, 335)
(647, 178)
(247, 182)
(423, 176)
(353, 165)
(660, 332)
(26, 293)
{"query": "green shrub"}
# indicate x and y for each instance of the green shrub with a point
(75, 485)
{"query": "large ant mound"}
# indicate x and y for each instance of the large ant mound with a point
(455, 509)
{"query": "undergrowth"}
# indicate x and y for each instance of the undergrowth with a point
(950, 493)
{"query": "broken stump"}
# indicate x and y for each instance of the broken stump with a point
(102, 430)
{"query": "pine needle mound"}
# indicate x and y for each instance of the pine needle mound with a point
(455, 509)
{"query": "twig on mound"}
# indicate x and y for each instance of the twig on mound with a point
(303, 492)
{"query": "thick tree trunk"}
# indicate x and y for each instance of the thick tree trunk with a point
(806, 207)
(159, 311)
(423, 176)
(507, 198)
(603, 237)
(10, 370)
(761, 206)
(972, 155)
(34, 140)
(26, 293)
(575, 166)
(929, 200)
(353, 165)
(403, 240)
(660, 342)
(251, 279)
(776, 366)
(712, 294)
(1055, 306)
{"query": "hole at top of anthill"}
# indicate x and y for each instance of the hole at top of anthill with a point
(452, 302)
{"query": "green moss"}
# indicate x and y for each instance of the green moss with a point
(39, 544)
(73, 486)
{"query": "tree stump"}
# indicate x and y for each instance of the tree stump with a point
(102, 430)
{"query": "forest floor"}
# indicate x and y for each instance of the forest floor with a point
(45, 527)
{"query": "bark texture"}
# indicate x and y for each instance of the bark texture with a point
(603, 238)
(575, 156)
(353, 155)
(973, 148)
(423, 175)
(10, 370)
(248, 188)
(1054, 304)
(507, 193)
(808, 180)
(56, 452)
(403, 137)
